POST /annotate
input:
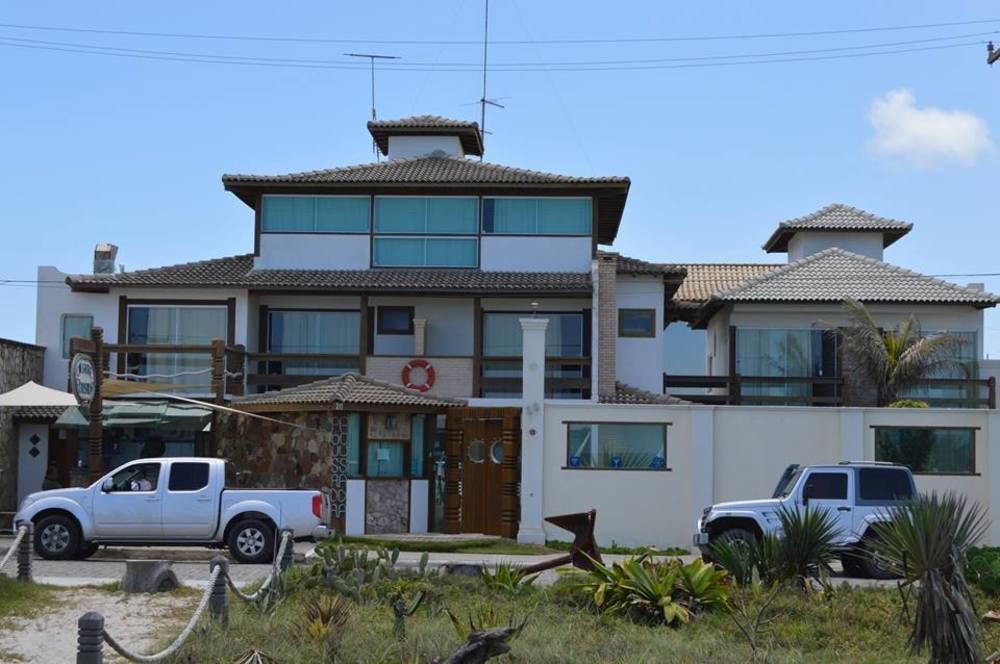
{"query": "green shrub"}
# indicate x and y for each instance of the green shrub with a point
(908, 403)
(982, 569)
(507, 578)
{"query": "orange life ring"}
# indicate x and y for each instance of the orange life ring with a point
(428, 370)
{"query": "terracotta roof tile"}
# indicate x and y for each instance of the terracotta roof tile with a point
(705, 279)
(468, 132)
(837, 217)
(627, 394)
(627, 265)
(38, 413)
(346, 390)
(833, 275)
(238, 272)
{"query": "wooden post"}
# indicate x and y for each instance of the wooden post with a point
(239, 355)
(365, 334)
(95, 430)
(219, 370)
(992, 385)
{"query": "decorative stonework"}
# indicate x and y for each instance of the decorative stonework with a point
(19, 363)
(387, 509)
(338, 469)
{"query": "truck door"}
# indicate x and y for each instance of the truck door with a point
(831, 490)
(127, 506)
(191, 501)
(880, 490)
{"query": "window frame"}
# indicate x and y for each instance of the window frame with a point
(375, 237)
(63, 341)
(271, 310)
(975, 459)
(648, 312)
(175, 464)
(380, 320)
(836, 472)
(482, 216)
(365, 441)
(373, 221)
(371, 215)
(666, 444)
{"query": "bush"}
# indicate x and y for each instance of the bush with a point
(982, 569)
(908, 403)
(507, 579)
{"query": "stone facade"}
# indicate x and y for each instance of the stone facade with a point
(607, 325)
(19, 363)
(270, 455)
(387, 506)
(858, 389)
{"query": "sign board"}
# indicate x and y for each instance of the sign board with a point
(83, 378)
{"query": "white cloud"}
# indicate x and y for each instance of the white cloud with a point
(928, 136)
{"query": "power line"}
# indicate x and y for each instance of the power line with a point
(617, 40)
(142, 54)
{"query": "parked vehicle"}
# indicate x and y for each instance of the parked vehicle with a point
(173, 501)
(857, 494)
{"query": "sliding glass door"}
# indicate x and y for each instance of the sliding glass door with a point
(174, 325)
(786, 353)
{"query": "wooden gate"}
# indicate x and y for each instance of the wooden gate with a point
(482, 471)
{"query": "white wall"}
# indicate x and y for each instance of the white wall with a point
(31, 469)
(804, 244)
(404, 147)
(639, 360)
(313, 251)
(685, 350)
(449, 328)
(501, 253)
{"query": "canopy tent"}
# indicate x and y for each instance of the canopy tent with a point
(33, 394)
(157, 414)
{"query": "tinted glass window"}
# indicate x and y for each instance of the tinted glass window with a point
(188, 476)
(826, 486)
(139, 477)
(925, 450)
(885, 484)
(637, 322)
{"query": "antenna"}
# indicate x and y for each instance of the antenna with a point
(372, 57)
(484, 100)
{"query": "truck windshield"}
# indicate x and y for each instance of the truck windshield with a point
(787, 481)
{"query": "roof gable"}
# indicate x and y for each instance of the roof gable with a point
(427, 125)
(345, 392)
(837, 218)
(834, 275)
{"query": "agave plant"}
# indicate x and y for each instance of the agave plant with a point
(507, 578)
(748, 562)
(805, 550)
(926, 541)
(702, 585)
(895, 360)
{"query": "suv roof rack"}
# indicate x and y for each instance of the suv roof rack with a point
(869, 463)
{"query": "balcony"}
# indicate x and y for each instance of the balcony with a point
(565, 377)
(820, 391)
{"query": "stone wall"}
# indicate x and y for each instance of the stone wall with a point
(269, 455)
(858, 388)
(19, 363)
(387, 507)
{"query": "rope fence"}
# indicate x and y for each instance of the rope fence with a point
(92, 635)
(22, 547)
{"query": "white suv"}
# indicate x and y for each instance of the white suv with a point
(857, 494)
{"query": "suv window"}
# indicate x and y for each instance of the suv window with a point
(885, 484)
(138, 477)
(825, 486)
(188, 476)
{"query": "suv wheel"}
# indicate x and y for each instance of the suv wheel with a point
(251, 541)
(734, 535)
(869, 563)
(57, 537)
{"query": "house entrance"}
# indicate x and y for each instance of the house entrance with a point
(482, 471)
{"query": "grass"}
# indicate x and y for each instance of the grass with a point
(559, 545)
(503, 547)
(24, 599)
(855, 625)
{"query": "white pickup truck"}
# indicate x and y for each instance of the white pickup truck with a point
(856, 494)
(174, 501)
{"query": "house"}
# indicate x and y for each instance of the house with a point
(440, 343)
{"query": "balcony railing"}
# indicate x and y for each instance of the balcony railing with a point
(820, 390)
(196, 369)
(272, 371)
(565, 377)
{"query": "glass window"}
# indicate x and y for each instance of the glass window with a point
(395, 320)
(773, 353)
(140, 477)
(825, 486)
(74, 326)
(181, 325)
(502, 336)
(315, 214)
(616, 445)
(537, 216)
(885, 484)
(928, 450)
(188, 476)
(433, 215)
(305, 332)
(354, 445)
(385, 459)
(637, 322)
(417, 447)
(960, 363)
(425, 252)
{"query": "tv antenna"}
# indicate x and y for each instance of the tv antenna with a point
(372, 57)
(485, 101)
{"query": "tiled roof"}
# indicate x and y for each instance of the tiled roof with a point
(238, 272)
(628, 265)
(835, 218)
(346, 390)
(833, 275)
(626, 394)
(436, 169)
(705, 279)
(38, 413)
(468, 132)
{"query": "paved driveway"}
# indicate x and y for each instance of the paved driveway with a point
(99, 572)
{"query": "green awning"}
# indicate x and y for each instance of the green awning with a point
(142, 415)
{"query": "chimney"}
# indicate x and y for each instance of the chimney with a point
(607, 323)
(977, 286)
(104, 258)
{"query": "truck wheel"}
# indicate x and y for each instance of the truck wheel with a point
(57, 537)
(251, 541)
(852, 565)
(733, 535)
(868, 561)
(87, 549)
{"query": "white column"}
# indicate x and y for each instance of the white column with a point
(532, 430)
(991, 473)
(702, 455)
(419, 336)
(852, 435)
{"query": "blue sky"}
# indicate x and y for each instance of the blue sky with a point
(96, 148)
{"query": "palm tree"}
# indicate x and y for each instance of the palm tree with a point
(895, 360)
